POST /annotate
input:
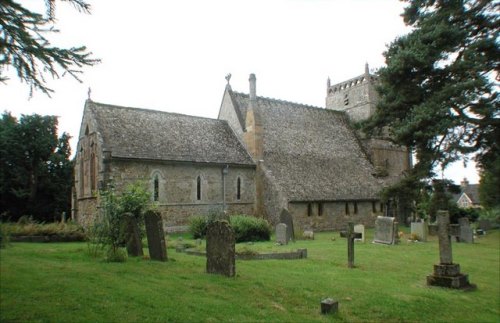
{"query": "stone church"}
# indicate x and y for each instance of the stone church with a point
(259, 157)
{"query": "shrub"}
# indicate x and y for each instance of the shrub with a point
(249, 228)
(62, 230)
(116, 255)
(4, 236)
(198, 226)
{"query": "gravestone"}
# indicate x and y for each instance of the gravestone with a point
(466, 233)
(329, 305)
(350, 235)
(281, 234)
(308, 234)
(131, 235)
(360, 228)
(386, 230)
(446, 273)
(420, 229)
(286, 218)
(220, 249)
(156, 236)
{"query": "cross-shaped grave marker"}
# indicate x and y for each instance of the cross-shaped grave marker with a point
(350, 235)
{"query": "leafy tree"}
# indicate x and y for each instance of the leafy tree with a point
(25, 47)
(489, 183)
(35, 170)
(438, 92)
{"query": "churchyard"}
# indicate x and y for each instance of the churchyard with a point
(61, 282)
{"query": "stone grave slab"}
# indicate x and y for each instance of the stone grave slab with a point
(221, 249)
(156, 236)
(281, 234)
(360, 228)
(466, 232)
(386, 230)
(286, 218)
(132, 235)
(421, 230)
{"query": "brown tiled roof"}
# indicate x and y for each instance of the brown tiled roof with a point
(158, 135)
(312, 152)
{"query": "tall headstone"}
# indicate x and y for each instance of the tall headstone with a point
(386, 230)
(360, 228)
(156, 236)
(446, 273)
(466, 233)
(286, 218)
(281, 234)
(132, 235)
(221, 249)
(420, 229)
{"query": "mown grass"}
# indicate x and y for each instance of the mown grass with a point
(60, 282)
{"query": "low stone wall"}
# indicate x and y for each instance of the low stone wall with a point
(299, 254)
(53, 238)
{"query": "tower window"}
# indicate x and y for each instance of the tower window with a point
(198, 188)
(238, 188)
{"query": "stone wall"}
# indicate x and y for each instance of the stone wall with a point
(178, 187)
(333, 214)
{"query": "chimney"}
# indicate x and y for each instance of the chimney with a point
(253, 93)
(464, 183)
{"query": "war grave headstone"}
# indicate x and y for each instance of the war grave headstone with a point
(420, 230)
(446, 273)
(286, 218)
(156, 236)
(132, 235)
(466, 233)
(386, 230)
(281, 234)
(360, 228)
(221, 249)
(350, 235)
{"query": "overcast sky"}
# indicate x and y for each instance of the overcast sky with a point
(173, 55)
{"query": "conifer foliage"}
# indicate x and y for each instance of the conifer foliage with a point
(439, 90)
(24, 45)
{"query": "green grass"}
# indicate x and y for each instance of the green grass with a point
(59, 282)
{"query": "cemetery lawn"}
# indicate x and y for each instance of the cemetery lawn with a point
(60, 282)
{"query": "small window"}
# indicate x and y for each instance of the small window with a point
(309, 209)
(238, 188)
(93, 177)
(320, 209)
(381, 207)
(156, 189)
(347, 211)
(355, 207)
(87, 130)
(198, 188)
(374, 207)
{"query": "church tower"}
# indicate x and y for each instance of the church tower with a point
(356, 96)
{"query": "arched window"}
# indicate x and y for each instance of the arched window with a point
(198, 188)
(82, 173)
(93, 178)
(238, 188)
(156, 188)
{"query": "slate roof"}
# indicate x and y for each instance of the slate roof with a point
(157, 135)
(312, 152)
(472, 192)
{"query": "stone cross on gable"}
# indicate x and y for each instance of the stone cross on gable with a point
(350, 235)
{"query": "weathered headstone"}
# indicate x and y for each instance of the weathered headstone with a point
(220, 249)
(466, 232)
(420, 229)
(308, 234)
(386, 230)
(156, 236)
(329, 305)
(360, 228)
(350, 235)
(446, 273)
(132, 235)
(281, 234)
(286, 218)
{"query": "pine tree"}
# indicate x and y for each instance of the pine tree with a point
(25, 47)
(439, 89)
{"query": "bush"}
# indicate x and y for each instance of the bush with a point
(4, 236)
(56, 229)
(116, 255)
(198, 226)
(249, 228)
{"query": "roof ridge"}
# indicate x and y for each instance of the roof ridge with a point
(280, 100)
(113, 106)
